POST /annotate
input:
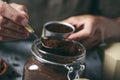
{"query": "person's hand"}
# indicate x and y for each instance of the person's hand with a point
(92, 30)
(13, 18)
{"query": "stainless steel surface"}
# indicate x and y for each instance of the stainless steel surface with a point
(47, 33)
(56, 41)
(31, 30)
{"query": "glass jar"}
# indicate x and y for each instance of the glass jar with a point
(53, 64)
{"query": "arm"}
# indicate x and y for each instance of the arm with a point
(92, 30)
(12, 19)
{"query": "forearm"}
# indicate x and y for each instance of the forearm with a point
(115, 30)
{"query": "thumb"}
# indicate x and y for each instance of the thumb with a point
(7, 11)
(80, 35)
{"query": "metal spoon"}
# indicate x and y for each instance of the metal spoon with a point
(43, 39)
(52, 42)
(30, 30)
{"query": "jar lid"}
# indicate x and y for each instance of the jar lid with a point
(65, 55)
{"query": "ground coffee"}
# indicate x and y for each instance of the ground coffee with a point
(59, 28)
(52, 64)
(62, 47)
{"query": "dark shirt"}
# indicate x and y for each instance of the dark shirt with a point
(41, 11)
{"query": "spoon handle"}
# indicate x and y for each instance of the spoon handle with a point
(31, 30)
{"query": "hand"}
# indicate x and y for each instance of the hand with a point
(13, 18)
(92, 30)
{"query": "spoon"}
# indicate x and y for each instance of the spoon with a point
(30, 30)
(52, 42)
(44, 39)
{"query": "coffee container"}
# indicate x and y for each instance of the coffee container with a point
(54, 58)
(66, 63)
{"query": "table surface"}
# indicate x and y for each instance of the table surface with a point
(17, 53)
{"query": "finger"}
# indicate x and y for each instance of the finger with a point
(78, 36)
(18, 7)
(6, 38)
(21, 8)
(81, 34)
(12, 14)
(12, 26)
(70, 21)
(78, 23)
(4, 32)
(73, 20)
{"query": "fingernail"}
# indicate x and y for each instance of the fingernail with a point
(68, 39)
(24, 22)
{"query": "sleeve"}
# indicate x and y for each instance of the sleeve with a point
(6, 0)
